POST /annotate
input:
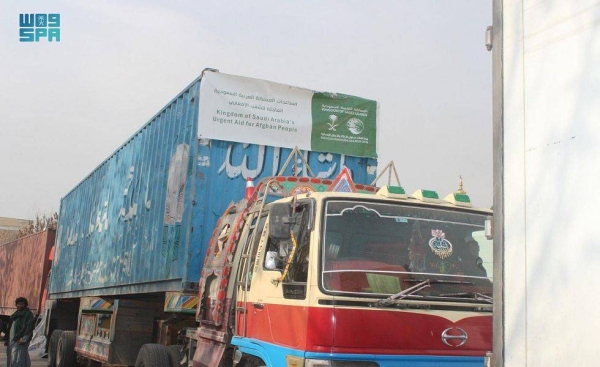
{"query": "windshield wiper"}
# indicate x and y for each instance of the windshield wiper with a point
(402, 294)
(475, 295)
(425, 284)
(441, 281)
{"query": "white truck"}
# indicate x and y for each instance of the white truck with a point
(546, 167)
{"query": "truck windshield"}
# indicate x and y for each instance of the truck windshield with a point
(381, 249)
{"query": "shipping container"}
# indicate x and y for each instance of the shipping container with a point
(141, 221)
(24, 267)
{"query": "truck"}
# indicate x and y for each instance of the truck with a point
(546, 108)
(337, 274)
(24, 267)
(133, 234)
(242, 226)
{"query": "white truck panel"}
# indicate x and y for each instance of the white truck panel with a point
(514, 178)
(551, 66)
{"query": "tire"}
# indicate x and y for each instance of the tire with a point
(53, 345)
(174, 355)
(153, 355)
(65, 351)
(251, 361)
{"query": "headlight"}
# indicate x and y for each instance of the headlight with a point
(294, 361)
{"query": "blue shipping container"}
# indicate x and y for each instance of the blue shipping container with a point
(142, 220)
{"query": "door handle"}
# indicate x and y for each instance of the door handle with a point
(260, 306)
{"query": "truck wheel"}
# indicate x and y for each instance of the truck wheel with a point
(174, 355)
(52, 347)
(153, 355)
(251, 361)
(65, 352)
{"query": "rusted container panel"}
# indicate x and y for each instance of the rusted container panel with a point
(24, 267)
(141, 221)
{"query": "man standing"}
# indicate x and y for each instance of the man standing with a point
(20, 335)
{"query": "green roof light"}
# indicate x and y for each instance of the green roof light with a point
(430, 194)
(396, 190)
(463, 198)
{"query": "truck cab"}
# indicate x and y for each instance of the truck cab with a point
(369, 277)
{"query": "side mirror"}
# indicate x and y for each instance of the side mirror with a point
(280, 220)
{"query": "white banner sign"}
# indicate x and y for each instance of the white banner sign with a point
(247, 110)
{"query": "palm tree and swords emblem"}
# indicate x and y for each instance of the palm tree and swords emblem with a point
(334, 122)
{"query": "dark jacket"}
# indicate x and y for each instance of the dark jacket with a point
(25, 323)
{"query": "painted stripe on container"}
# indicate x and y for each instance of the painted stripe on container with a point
(181, 303)
(100, 304)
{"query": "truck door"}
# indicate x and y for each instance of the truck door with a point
(247, 260)
(276, 308)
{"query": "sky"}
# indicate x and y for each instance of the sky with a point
(66, 106)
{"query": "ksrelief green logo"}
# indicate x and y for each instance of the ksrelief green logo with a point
(343, 120)
(355, 126)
